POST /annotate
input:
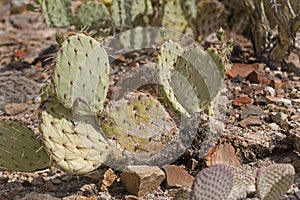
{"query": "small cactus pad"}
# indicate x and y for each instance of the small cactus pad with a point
(94, 15)
(74, 146)
(273, 181)
(138, 123)
(81, 70)
(20, 150)
(213, 183)
(56, 13)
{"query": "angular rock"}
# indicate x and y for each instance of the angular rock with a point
(268, 90)
(258, 77)
(279, 101)
(222, 154)
(251, 110)
(242, 101)
(252, 120)
(108, 179)
(141, 179)
(279, 118)
(49, 187)
(243, 70)
(275, 83)
(177, 177)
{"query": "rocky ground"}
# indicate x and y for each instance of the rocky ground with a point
(261, 117)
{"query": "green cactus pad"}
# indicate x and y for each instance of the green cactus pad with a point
(213, 183)
(211, 15)
(273, 181)
(95, 16)
(173, 16)
(131, 13)
(81, 70)
(74, 143)
(166, 59)
(20, 150)
(138, 123)
(56, 13)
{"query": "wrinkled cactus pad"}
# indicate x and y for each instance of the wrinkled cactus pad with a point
(20, 150)
(214, 182)
(81, 70)
(273, 181)
(138, 123)
(74, 143)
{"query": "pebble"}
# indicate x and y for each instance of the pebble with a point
(268, 90)
(49, 187)
(107, 180)
(37, 196)
(273, 126)
(141, 179)
(38, 181)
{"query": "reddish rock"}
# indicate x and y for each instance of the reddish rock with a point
(243, 70)
(178, 177)
(275, 83)
(252, 120)
(222, 154)
(242, 100)
(258, 77)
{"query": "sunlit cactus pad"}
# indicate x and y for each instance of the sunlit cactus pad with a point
(20, 150)
(214, 182)
(81, 70)
(273, 181)
(138, 123)
(74, 146)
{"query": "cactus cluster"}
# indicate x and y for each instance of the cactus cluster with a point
(226, 182)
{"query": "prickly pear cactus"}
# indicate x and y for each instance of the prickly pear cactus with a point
(173, 16)
(81, 70)
(211, 15)
(74, 141)
(131, 13)
(273, 181)
(214, 182)
(193, 81)
(95, 16)
(20, 150)
(56, 13)
(137, 123)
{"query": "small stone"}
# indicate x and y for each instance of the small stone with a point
(49, 187)
(222, 154)
(273, 126)
(279, 118)
(130, 197)
(278, 101)
(36, 196)
(242, 101)
(141, 179)
(38, 181)
(3, 179)
(15, 108)
(108, 179)
(296, 102)
(287, 160)
(269, 91)
(251, 110)
(252, 120)
(275, 83)
(177, 177)
(56, 181)
(293, 63)
(258, 77)
(181, 193)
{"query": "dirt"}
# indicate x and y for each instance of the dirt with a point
(27, 47)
